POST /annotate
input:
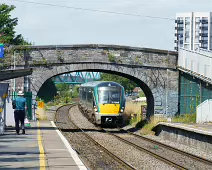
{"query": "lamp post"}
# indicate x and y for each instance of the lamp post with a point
(14, 69)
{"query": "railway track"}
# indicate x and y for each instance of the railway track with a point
(154, 153)
(167, 154)
(143, 149)
(196, 158)
(63, 116)
(175, 163)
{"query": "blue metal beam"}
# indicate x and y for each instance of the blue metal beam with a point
(77, 77)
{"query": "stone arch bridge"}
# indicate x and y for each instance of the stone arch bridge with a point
(152, 69)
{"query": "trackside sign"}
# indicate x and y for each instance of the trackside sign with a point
(1, 50)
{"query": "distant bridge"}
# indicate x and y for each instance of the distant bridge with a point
(77, 77)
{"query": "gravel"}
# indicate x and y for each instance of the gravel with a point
(183, 147)
(138, 159)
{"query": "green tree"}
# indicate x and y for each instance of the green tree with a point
(7, 27)
(126, 83)
(62, 87)
(141, 94)
(75, 91)
(47, 91)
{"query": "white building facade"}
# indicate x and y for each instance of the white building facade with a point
(193, 30)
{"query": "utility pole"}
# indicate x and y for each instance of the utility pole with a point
(14, 88)
(26, 78)
(167, 81)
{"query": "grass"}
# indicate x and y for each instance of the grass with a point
(185, 118)
(131, 117)
(133, 108)
(59, 101)
(148, 126)
(132, 112)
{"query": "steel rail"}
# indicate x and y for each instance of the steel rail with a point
(190, 155)
(148, 152)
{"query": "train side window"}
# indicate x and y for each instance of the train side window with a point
(89, 97)
(80, 93)
(83, 95)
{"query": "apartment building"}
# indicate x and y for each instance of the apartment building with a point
(193, 30)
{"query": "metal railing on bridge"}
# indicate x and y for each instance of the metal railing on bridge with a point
(196, 63)
(77, 77)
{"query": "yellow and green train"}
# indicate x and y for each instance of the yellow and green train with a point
(103, 102)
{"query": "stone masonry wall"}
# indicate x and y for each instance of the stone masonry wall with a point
(155, 69)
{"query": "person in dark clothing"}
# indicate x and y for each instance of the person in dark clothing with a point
(19, 104)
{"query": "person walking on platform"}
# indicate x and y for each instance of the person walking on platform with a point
(19, 104)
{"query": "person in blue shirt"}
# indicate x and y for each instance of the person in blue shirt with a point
(19, 105)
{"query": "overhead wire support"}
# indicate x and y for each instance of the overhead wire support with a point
(94, 10)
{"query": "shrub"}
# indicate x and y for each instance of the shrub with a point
(111, 57)
(148, 126)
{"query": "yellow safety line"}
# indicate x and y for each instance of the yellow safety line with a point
(41, 149)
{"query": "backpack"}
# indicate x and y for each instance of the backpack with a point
(14, 104)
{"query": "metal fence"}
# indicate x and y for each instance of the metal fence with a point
(204, 112)
(193, 91)
(199, 64)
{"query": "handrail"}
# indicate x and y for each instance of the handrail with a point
(194, 52)
(195, 62)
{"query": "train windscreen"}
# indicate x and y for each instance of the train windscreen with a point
(109, 95)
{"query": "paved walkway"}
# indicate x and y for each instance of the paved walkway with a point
(19, 151)
(58, 153)
(43, 148)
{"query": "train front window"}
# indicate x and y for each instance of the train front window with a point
(109, 96)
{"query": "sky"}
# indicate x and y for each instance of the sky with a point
(46, 25)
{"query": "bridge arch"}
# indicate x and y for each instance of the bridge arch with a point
(152, 89)
(154, 69)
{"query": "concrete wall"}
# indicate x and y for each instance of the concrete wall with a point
(182, 136)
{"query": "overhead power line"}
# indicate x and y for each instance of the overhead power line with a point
(93, 10)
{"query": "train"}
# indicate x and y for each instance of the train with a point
(103, 102)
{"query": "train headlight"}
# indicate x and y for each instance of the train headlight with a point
(122, 110)
(95, 109)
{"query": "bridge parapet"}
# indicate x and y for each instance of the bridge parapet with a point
(47, 55)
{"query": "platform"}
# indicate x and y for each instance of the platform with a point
(205, 129)
(198, 136)
(42, 147)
